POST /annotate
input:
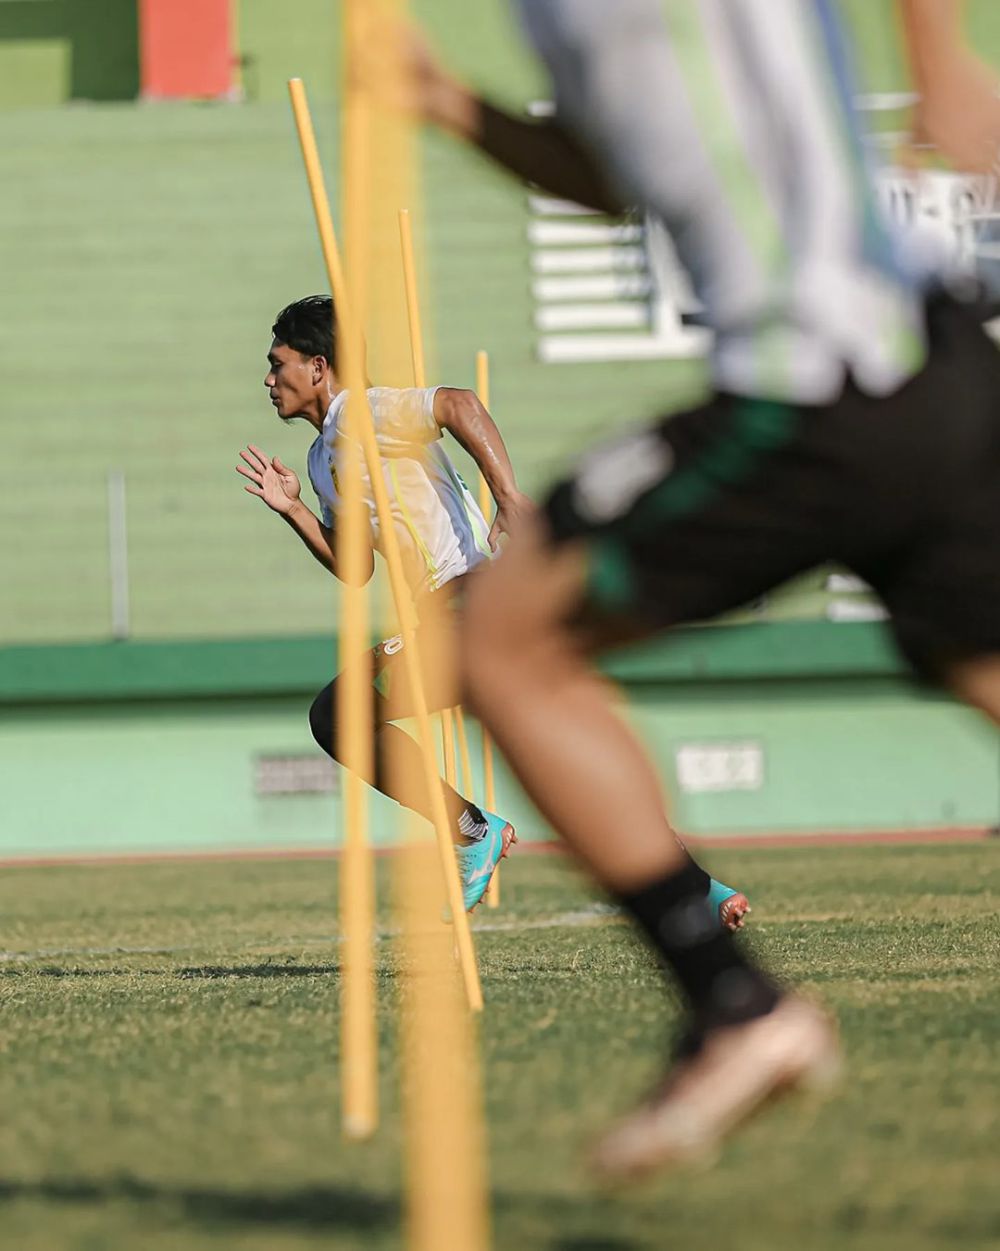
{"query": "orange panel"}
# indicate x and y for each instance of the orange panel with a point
(186, 49)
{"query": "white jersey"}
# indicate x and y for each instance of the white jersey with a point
(440, 529)
(732, 121)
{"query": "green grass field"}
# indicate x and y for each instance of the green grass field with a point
(169, 1061)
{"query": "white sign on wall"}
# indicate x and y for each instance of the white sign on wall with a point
(298, 774)
(714, 767)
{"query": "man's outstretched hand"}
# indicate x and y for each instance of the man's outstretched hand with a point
(276, 484)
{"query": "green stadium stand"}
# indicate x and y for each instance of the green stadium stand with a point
(145, 251)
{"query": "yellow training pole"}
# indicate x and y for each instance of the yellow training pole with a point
(468, 786)
(445, 1193)
(359, 1045)
(420, 380)
(486, 507)
(360, 424)
(412, 300)
(444, 1144)
(317, 190)
(448, 747)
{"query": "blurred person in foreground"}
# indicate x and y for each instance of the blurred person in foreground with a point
(855, 418)
(443, 538)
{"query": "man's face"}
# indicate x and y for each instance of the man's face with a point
(291, 379)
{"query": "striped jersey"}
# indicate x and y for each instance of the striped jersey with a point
(440, 529)
(733, 122)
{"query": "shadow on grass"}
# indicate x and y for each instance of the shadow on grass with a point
(194, 971)
(327, 1207)
(333, 1208)
(54, 970)
(596, 1243)
(260, 970)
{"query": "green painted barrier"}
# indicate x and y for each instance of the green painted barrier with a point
(254, 667)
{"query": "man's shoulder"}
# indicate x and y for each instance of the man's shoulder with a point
(404, 415)
(394, 397)
(317, 458)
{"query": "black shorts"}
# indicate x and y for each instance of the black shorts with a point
(707, 510)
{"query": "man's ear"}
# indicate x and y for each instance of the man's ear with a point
(320, 368)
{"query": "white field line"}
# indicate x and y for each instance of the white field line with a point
(593, 914)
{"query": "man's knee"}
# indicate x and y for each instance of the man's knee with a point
(322, 720)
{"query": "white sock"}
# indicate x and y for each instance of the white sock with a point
(472, 823)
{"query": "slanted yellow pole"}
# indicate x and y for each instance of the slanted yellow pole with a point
(359, 1046)
(350, 321)
(486, 507)
(448, 747)
(317, 189)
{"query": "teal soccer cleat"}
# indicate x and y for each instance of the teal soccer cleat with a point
(476, 861)
(731, 905)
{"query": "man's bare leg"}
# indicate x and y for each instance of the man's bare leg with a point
(398, 760)
(552, 716)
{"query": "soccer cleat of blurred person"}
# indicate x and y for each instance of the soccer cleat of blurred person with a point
(718, 1080)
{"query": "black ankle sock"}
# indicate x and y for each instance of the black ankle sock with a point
(703, 879)
(722, 986)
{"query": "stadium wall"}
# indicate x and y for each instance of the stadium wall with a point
(54, 51)
(180, 747)
(151, 246)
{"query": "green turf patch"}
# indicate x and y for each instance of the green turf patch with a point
(169, 1047)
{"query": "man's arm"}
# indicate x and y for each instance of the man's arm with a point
(463, 416)
(959, 108)
(542, 151)
(279, 488)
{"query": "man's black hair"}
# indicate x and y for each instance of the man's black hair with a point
(309, 327)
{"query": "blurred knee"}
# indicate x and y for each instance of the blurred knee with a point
(508, 645)
(977, 682)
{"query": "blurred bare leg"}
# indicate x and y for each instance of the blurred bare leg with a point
(552, 715)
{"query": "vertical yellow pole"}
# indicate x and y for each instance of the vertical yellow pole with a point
(359, 1048)
(420, 380)
(486, 507)
(445, 1196)
(448, 747)
(445, 1149)
(350, 319)
(412, 299)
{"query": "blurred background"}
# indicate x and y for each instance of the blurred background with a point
(162, 634)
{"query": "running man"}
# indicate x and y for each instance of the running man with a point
(856, 418)
(443, 537)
